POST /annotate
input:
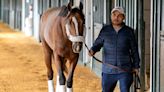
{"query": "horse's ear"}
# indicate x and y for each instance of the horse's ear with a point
(70, 4)
(81, 6)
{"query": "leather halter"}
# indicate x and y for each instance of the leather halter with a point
(73, 38)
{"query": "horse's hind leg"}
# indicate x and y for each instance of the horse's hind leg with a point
(48, 62)
(60, 85)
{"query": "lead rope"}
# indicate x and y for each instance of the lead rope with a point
(137, 82)
(104, 62)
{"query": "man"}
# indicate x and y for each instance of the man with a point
(120, 53)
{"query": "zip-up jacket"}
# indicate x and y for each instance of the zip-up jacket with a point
(119, 49)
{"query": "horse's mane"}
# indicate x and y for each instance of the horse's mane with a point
(76, 10)
(64, 11)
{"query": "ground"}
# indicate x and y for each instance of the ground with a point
(22, 67)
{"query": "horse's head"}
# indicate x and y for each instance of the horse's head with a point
(75, 28)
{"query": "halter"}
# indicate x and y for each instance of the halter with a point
(73, 38)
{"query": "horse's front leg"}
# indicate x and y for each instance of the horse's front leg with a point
(60, 82)
(73, 64)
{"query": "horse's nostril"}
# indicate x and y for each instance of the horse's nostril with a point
(76, 47)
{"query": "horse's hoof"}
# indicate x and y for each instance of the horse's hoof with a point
(69, 90)
(62, 88)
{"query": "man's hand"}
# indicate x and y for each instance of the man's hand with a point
(135, 71)
(91, 53)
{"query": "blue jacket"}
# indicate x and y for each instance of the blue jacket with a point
(119, 49)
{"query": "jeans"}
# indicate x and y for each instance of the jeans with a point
(109, 81)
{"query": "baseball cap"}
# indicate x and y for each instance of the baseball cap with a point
(119, 9)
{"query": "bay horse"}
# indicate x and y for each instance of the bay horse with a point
(62, 36)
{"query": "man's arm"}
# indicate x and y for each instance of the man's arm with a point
(97, 44)
(134, 51)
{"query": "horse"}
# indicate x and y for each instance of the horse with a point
(62, 36)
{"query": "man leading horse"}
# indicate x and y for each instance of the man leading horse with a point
(120, 52)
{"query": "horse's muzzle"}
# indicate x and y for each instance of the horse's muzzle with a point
(76, 47)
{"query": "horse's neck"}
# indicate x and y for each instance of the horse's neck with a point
(61, 28)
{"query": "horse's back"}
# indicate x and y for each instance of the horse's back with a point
(52, 13)
(46, 22)
(50, 28)
(46, 15)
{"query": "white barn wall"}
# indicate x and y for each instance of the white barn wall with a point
(36, 20)
(88, 24)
